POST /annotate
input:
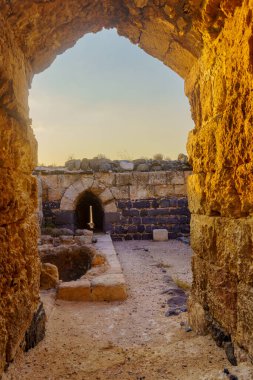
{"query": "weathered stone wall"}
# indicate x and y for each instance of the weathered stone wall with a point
(19, 264)
(134, 203)
(220, 191)
(209, 43)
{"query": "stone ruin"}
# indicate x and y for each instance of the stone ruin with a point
(210, 45)
(128, 204)
(80, 270)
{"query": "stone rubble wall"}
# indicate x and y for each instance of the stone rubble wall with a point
(134, 203)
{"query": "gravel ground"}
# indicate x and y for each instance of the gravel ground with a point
(130, 340)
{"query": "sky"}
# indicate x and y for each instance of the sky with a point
(107, 96)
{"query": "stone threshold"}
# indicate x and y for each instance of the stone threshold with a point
(108, 286)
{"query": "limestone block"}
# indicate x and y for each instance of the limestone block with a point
(110, 207)
(120, 192)
(180, 189)
(140, 192)
(159, 178)
(67, 204)
(124, 179)
(164, 190)
(108, 179)
(160, 235)
(71, 193)
(79, 290)
(196, 193)
(140, 179)
(53, 186)
(175, 178)
(49, 276)
(109, 287)
(221, 195)
(79, 186)
(222, 296)
(88, 181)
(106, 196)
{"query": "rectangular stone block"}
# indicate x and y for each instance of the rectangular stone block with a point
(141, 204)
(160, 235)
(140, 179)
(65, 219)
(164, 190)
(157, 178)
(141, 192)
(180, 189)
(131, 212)
(149, 220)
(120, 192)
(79, 290)
(222, 296)
(175, 178)
(124, 179)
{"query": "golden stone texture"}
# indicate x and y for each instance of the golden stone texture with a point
(210, 44)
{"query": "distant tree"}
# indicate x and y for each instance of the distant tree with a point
(167, 158)
(158, 156)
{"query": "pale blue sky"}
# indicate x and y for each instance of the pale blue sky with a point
(106, 95)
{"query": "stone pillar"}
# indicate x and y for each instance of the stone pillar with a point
(221, 188)
(19, 265)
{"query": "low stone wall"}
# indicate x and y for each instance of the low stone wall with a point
(133, 203)
(138, 218)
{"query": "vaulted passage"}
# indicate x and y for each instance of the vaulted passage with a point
(82, 213)
(209, 43)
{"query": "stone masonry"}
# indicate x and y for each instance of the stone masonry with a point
(210, 44)
(134, 203)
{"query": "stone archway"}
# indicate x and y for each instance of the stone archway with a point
(209, 43)
(82, 212)
(76, 191)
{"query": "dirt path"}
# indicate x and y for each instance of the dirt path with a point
(131, 340)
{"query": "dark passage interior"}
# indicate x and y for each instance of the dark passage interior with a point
(82, 216)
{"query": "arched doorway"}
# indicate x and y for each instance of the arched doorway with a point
(82, 212)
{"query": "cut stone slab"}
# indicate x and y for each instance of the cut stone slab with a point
(79, 290)
(49, 276)
(160, 235)
(108, 287)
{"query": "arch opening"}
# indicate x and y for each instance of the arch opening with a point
(82, 212)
